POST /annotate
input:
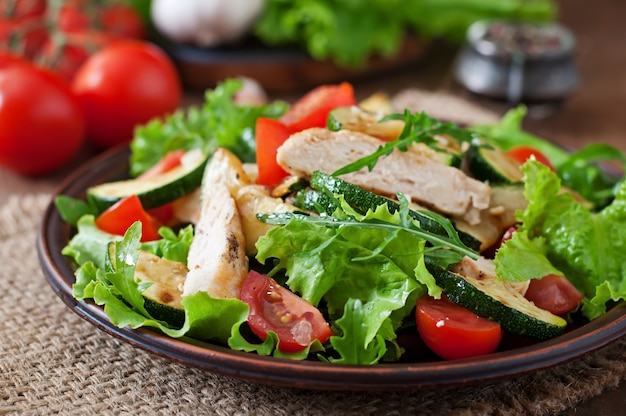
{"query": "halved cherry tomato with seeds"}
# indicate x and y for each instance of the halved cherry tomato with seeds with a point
(274, 308)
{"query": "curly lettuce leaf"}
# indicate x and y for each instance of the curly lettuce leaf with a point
(269, 347)
(171, 246)
(336, 264)
(350, 32)
(559, 235)
(90, 243)
(116, 289)
(581, 171)
(220, 122)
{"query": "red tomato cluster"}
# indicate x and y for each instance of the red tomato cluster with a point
(76, 71)
(61, 35)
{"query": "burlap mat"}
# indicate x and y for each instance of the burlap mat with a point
(51, 361)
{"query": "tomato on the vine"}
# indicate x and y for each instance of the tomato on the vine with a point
(123, 85)
(15, 9)
(66, 57)
(274, 308)
(41, 123)
(114, 18)
(452, 331)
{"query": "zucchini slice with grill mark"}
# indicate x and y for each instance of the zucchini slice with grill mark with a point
(162, 299)
(156, 191)
(494, 300)
(493, 165)
(362, 201)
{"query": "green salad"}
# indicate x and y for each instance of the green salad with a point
(328, 265)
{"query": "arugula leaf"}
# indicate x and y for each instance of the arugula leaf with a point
(443, 247)
(72, 209)
(583, 172)
(220, 122)
(508, 133)
(352, 345)
(418, 128)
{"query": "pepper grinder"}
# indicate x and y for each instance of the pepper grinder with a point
(518, 61)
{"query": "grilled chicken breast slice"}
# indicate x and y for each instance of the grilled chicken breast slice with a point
(217, 260)
(443, 188)
(252, 200)
(223, 168)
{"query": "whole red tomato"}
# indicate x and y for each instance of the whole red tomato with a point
(41, 123)
(123, 85)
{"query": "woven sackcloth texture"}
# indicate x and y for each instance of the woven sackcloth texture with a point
(53, 362)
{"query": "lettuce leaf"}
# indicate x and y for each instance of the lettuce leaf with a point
(115, 288)
(377, 268)
(559, 235)
(582, 171)
(90, 243)
(349, 32)
(220, 122)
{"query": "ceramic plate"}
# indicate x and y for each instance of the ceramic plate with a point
(54, 235)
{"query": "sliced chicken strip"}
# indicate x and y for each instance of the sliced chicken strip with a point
(217, 260)
(252, 200)
(443, 188)
(223, 168)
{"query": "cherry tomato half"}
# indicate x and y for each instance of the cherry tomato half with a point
(523, 153)
(41, 124)
(554, 293)
(453, 332)
(123, 85)
(274, 308)
(123, 214)
(170, 161)
(312, 109)
(270, 135)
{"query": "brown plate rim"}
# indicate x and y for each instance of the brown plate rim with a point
(53, 234)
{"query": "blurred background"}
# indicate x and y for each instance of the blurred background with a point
(288, 47)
